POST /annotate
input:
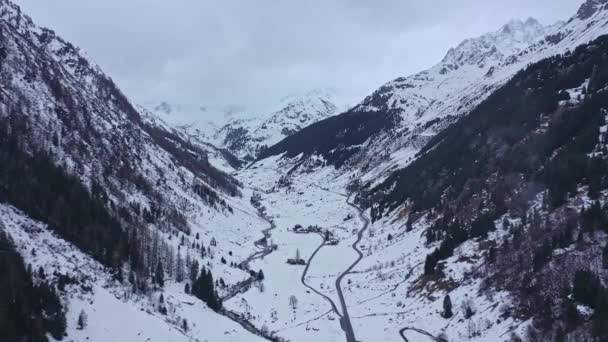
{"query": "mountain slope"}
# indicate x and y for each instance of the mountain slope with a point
(140, 198)
(520, 177)
(417, 107)
(64, 104)
(247, 138)
(237, 132)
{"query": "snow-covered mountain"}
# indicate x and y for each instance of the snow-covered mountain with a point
(98, 182)
(478, 174)
(464, 203)
(402, 115)
(247, 138)
(241, 133)
(77, 113)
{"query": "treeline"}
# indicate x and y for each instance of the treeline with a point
(28, 311)
(552, 263)
(514, 145)
(452, 234)
(35, 185)
(533, 152)
(193, 158)
(321, 137)
(503, 135)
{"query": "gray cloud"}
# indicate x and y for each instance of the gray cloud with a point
(254, 52)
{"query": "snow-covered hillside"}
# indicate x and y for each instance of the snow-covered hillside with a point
(113, 311)
(320, 238)
(417, 107)
(429, 101)
(145, 174)
(245, 134)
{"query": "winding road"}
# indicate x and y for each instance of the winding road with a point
(420, 331)
(303, 280)
(345, 322)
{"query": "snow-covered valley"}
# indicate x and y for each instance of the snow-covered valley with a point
(466, 202)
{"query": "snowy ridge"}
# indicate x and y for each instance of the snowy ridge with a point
(247, 137)
(220, 158)
(239, 132)
(74, 110)
(427, 102)
(60, 102)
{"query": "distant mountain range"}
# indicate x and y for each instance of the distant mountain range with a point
(244, 134)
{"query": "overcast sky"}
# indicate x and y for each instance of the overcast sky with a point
(252, 53)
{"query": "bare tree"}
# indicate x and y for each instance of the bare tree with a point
(293, 302)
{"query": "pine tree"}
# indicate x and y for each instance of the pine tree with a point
(447, 307)
(605, 256)
(179, 271)
(82, 320)
(119, 275)
(293, 302)
(193, 272)
(160, 275)
(203, 289)
(203, 251)
(430, 263)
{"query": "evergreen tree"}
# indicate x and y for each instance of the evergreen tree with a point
(429, 264)
(605, 256)
(82, 320)
(28, 312)
(193, 273)
(293, 302)
(447, 307)
(179, 271)
(203, 289)
(160, 274)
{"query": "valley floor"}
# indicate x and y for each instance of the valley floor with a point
(386, 296)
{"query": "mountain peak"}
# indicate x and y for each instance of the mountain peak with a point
(590, 7)
(512, 37)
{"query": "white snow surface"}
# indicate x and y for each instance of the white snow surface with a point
(244, 133)
(385, 292)
(113, 313)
